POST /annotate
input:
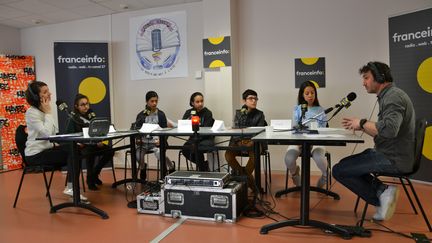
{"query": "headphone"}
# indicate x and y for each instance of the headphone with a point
(379, 76)
(32, 94)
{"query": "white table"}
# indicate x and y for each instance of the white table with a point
(327, 137)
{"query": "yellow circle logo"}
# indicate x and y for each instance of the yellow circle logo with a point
(217, 63)
(315, 83)
(310, 60)
(427, 146)
(93, 88)
(424, 75)
(216, 40)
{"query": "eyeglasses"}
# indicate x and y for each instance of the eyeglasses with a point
(252, 98)
(84, 104)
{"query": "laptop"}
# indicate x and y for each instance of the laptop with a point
(99, 127)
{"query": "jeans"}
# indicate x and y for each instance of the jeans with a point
(355, 173)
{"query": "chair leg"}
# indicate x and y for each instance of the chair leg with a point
(419, 204)
(50, 180)
(329, 171)
(47, 188)
(218, 160)
(408, 195)
(269, 166)
(19, 187)
(113, 171)
(286, 179)
(356, 204)
(265, 174)
(179, 160)
(125, 168)
(363, 214)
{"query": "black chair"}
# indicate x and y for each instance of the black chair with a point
(189, 164)
(20, 140)
(267, 165)
(419, 141)
(128, 152)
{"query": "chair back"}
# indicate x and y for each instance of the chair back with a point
(20, 140)
(420, 131)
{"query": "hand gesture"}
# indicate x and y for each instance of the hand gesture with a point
(351, 123)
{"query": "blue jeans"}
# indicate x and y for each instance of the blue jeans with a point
(354, 172)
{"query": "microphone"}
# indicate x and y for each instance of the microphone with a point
(345, 102)
(317, 115)
(62, 106)
(195, 121)
(304, 108)
(90, 114)
(243, 110)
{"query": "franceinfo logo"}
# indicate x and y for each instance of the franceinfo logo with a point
(84, 59)
(310, 73)
(218, 52)
(413, 35)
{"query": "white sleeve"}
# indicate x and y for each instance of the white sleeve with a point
(43, 126)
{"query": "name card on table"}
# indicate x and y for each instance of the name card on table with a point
(280, 124)
(148, 128)
(184, 125)
(111, 129)
(218, 125)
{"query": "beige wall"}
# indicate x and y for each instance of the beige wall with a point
(348, 33)
(9, 40)
(269, 35)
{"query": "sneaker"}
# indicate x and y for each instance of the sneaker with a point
(387, 206)
(69, 192)
(322, 181)
(296, 177)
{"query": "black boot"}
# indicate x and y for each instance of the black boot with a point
(98, 181)
(91, 185)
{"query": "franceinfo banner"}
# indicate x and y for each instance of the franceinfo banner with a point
(410, 40)
(82, 68)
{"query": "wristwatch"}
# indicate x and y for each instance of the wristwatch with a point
(362, 122)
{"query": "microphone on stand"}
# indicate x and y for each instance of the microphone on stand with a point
(62, 106)
(91, 114)
(304, 108)
(195, 121)
(345, 102)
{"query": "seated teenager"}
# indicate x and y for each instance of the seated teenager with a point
(206, 120)
(247, 116)
(81, 118)
(153, 115)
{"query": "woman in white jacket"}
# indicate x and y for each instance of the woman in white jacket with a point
(40, 123)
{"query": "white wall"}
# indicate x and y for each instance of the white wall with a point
(348, 33)
(9, 40)
(127, 96)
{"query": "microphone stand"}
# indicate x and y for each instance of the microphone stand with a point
(301, 127)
